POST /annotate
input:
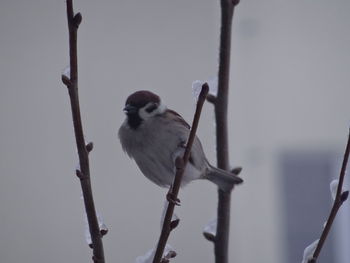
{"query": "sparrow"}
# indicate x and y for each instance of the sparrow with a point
(154, 136)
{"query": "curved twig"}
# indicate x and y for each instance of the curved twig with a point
(338, 201)
(180, 164)
(83, 150)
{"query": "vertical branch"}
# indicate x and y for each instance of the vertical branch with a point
(83, 150)
(340, 198)
(180, 164)
(222, 144)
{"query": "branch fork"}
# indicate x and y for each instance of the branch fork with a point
(211, 98)
(220, 102)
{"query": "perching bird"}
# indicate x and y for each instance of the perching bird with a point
(155, 136)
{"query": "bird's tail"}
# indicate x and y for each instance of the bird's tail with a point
(223, 179)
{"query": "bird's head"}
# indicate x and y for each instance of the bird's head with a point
(142, 105)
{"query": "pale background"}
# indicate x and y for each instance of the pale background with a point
(289, 90)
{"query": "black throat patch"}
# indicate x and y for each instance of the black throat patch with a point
(134, 120)
(138, 100)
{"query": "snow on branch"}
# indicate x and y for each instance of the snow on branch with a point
(339, 197)
(70, 79)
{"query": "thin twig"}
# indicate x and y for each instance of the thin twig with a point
(338, 201)
(211, 98)
(83, 149)
(180, 164)
(221, 104)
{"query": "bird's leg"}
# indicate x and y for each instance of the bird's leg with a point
(171, 198)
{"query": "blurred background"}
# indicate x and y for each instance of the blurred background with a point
(288, 118)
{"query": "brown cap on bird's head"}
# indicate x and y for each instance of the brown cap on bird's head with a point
(140, 98)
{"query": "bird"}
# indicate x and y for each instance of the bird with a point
(154, 136)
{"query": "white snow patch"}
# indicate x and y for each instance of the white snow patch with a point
(210, 228)
(148, 257)
(101, 225)
(309, 251)
(197, 86)
(174, 217)
(87, 230)
(333, 187)
(66, 71)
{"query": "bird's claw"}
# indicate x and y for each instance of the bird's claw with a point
(172, 199)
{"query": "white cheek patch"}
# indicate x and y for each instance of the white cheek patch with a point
(146, 115)
(161, 109)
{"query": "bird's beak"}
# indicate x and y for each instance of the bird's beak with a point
(129, 109)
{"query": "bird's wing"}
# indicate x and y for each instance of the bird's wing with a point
(197, 157)
(174, 115)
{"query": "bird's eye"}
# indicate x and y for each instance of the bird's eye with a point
(152, 107)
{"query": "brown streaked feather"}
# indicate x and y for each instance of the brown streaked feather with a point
(178, 117)
(141, 98)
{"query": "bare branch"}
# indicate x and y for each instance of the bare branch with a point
(180, 164)
(338, 201)
(211, 98)
(221, 105)
(84, 173)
